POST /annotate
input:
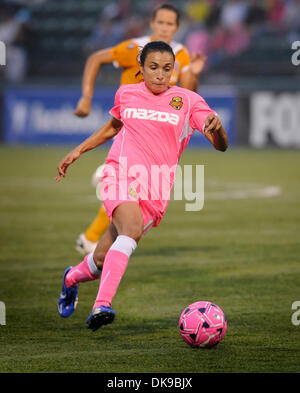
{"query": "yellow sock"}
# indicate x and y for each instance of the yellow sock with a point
(98, 226)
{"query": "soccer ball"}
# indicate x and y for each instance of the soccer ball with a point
(202, 325)
(97, 175)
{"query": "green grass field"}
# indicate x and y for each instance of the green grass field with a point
(242, 252)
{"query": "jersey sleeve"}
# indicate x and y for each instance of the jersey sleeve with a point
(125, 54)
(116, 110)
(183, 58)
(199, 113)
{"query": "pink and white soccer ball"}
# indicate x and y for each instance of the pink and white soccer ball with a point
(202, 324)
(97, 175)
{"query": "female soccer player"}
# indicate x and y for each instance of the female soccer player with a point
(153, 123)
(164, 24)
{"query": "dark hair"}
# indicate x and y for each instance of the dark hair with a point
(154, 46)
(169, 7)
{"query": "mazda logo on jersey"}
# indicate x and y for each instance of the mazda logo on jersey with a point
(147, 114)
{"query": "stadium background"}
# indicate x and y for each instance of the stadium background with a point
(253, 83)
(249, 77)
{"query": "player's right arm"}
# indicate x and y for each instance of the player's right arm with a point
(215, 132)
(104, 134)
(204, 119)
(92, 67)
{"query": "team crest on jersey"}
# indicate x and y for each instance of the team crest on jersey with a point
(176, 103)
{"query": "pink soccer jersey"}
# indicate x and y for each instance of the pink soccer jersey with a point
(156, 129)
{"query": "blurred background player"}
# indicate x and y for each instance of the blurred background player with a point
(164, 24)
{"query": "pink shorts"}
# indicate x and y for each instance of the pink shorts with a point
(117, 189)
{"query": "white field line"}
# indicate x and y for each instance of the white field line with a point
(218, 189)
(268, 191)
(263, 192)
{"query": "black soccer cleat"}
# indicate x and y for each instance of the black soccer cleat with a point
(102, 315)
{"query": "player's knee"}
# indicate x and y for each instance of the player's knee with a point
(133, 230)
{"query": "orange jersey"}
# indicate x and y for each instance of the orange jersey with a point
(125, 55)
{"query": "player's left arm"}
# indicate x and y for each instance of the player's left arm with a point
(215, 132)
(189, 77)
(99, 137)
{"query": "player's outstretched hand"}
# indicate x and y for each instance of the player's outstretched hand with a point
(66, 162)
(83, 107)
(212, 123)
(198, 61)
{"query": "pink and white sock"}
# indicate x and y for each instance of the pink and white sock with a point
(115, 264)
(85, 271)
